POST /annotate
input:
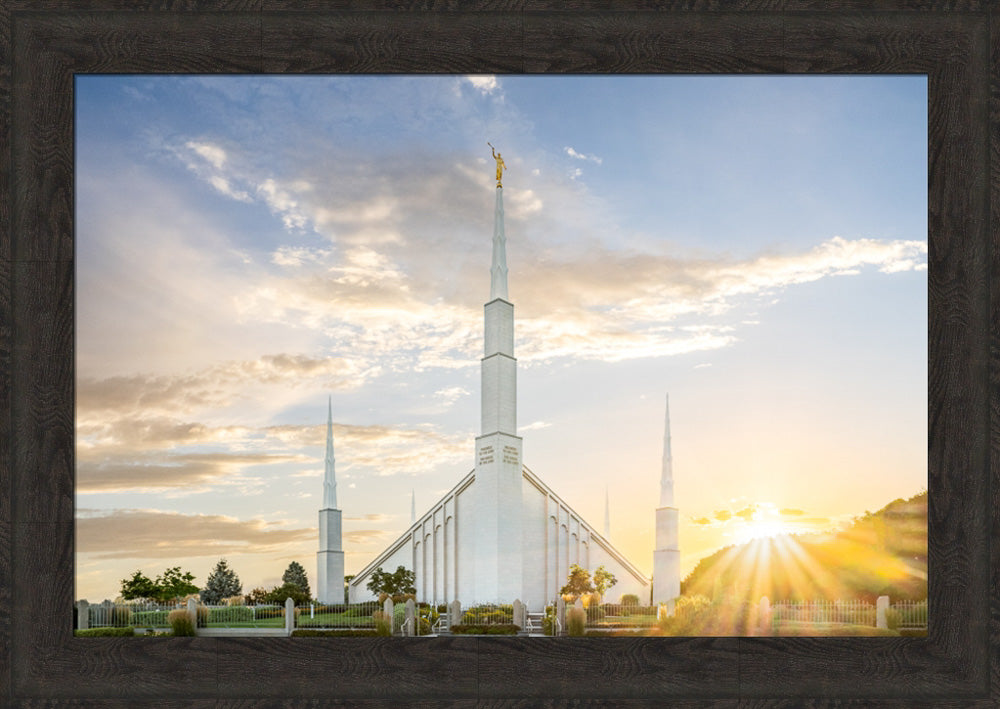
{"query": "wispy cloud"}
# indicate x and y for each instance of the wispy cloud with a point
(580, 156)
(156, 534)
(180, 473)
(536, 425)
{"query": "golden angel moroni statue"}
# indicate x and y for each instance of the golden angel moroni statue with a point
(500, 163)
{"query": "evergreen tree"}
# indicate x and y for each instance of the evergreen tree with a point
(295, 574)
(222, 583)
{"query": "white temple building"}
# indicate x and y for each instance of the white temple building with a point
(501, 533)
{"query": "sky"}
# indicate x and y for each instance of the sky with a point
(250, 248)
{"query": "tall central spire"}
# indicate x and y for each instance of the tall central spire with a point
(498, 271)
(497, 564)
(330, 476)
(499, 368)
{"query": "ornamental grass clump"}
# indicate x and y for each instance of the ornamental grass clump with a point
(180, 622)
(383, 623)
(576, 621)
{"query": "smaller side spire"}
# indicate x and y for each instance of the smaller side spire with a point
(329, 475)
(667, 475)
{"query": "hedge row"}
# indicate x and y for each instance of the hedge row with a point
(106, 632)
(499, 629)
(311, 633)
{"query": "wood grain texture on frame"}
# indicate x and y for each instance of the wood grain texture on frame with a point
(44, 46)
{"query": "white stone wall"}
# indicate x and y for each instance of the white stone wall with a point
(466, 552)
(529, 561)
(535, 563)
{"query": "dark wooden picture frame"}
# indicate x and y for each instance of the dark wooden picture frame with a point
(955, 44)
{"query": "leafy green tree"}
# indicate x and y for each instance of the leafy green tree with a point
(347, 587)
(171, 584)
(139, 586)
(221, 583)
(399, 581)
(290, 590)
(577, 583)
(297, 575)
(256, 597)
(603, 580)
(174, 584)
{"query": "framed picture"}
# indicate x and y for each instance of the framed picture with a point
(59, 58)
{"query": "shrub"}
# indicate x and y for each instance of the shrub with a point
(235, 601)
(383, 624)
(576, 621)
(142, 619)
(629, 599)
(270, 611)
(549, 621)
(314, 633)
(231, 614)
(442, 608)
(595, 613)
(201, 613)
(332, 608)
(487, 614)
(180, 622)
(105, 632)
(494, 629)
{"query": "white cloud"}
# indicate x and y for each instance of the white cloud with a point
(580, 156)
(486, 84)
(450, 395)
(535, 426)
(223, 186)
(215, 155)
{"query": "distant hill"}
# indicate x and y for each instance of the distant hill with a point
(880, 553)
